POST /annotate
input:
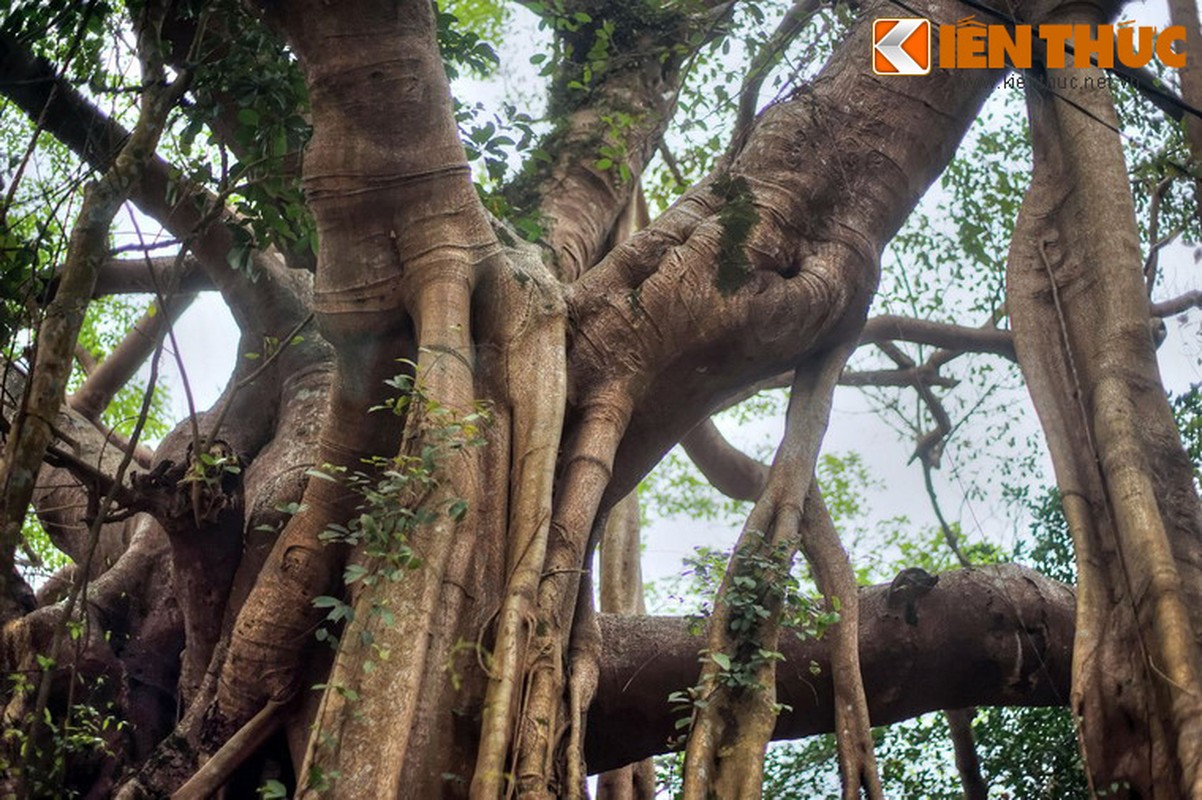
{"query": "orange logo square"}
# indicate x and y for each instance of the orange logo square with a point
(901, 46)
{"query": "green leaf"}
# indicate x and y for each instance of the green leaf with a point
(273, 790)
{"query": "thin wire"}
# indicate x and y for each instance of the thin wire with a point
(1171, 98)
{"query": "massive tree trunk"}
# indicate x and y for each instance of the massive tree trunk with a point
(1084, 339)
(452, 421)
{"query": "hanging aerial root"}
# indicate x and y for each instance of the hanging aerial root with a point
(530, 322)
(584, 667)
(959, 724)
(735, 701)
(836, 581)
(588, 467)
(622, 593)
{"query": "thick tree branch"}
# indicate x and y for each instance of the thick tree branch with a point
(134, 276)
(695, 320)
(726, 467)
(998, 635)
(986, 339)
(612, 126)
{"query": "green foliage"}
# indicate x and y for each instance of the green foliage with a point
(1029, 753)
(1187, 409)
(1032, 751)
(273, 790)
(463, 40)
(75, 740)
(42, 558)
(761, 587)
(484, 18)
(1025, 753)
(762, 583)
(260, 77)
(915, 756)
(58, 28)
(583, 44)
(677, 489)
(396, 499)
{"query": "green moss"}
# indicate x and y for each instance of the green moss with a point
(738, 218)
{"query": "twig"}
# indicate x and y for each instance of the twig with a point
(790, 25)
(1151, 263)
(1176, 305)
(670, 161)
(249, 379)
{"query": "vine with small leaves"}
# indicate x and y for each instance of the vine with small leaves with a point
(395, 497)
(763, 585)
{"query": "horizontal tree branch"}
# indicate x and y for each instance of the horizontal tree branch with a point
(1177, 305)
(920, 375)
(133, 276)
(997, 635)
(890, 327)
